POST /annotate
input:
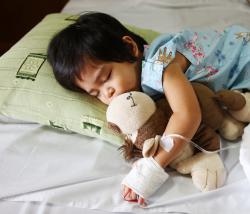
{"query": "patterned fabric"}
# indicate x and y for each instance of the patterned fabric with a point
(219, 59)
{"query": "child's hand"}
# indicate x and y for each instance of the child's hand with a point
(145, 177)
(129, 195)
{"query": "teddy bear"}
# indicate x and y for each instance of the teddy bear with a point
(143, 121)
(226, 111)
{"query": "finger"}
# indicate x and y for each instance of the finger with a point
(124, 189)
(126, 192)
(129, 195)
(133, 195)
(130, 199)
(141, 202)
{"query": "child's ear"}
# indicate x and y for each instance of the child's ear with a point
(132, 44)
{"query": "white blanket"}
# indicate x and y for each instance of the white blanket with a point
(73, 170)
(43, 170)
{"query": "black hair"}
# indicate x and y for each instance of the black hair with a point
(93, 36)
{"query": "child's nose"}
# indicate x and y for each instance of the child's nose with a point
(110, 92)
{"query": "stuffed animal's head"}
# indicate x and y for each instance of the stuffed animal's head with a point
(129, 111)
(137, 116)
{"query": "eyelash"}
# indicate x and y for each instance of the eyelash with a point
(108, 77)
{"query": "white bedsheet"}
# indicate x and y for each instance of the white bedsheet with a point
(169, 15)
(43, 170)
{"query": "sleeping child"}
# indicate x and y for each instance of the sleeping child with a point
(99, 56)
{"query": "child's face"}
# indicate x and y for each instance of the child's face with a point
(108, 80)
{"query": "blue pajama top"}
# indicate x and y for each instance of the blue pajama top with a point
(220, 59)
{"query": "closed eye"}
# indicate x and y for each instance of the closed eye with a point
(108, 76)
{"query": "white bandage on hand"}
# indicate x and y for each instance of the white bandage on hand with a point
(145, 177)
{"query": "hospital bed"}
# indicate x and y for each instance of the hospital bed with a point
(49, 171)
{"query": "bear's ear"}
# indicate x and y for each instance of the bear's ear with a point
(114, 128)
(129, 150)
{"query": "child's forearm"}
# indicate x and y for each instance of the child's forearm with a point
(186, 115)
(186, 126)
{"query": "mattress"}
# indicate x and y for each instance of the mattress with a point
(49, 171)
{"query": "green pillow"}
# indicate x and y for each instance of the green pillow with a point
(29, 91)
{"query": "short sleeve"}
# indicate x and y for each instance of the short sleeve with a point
(157, 58)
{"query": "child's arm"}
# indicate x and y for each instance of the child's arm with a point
(186, 115)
